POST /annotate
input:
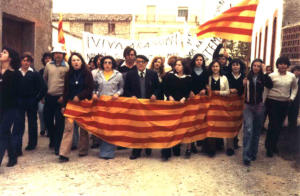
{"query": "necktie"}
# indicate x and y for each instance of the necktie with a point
(142, 74)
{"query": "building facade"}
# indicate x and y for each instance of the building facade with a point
(117, 25)
(26, 26)
(276, 31)
(156, 18)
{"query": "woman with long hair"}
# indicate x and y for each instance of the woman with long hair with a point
(199, 81)
(177, 87)
(235, 76)
(218, 84)
(10, 62)
(78, 86)
(109, 82)
(158, 66)
(255, 84)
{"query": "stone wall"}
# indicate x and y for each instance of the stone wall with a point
(291, 14)
(122, 29)
(29, 12)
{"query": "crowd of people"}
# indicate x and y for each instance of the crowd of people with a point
(24, 91)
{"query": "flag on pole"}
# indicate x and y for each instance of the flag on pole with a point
(61, 37)
(234, 24)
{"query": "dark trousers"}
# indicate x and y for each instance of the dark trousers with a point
(54, 121)
(293, 114)
(166, 152)
(137, 151)
(277, 113)
(8, 139)
(210, 145)
(28, 107)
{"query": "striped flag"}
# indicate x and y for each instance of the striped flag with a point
(233, 24)
(140, 123)
(61, 37)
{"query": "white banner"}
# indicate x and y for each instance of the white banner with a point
(165, 46)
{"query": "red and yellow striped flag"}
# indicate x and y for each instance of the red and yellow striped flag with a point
(233, 24)
(61, 37)
(140, 123)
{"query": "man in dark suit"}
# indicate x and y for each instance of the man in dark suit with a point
(141, 83)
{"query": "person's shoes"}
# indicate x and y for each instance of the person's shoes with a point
(194, 149)
(28, 148)
(73, 147)
(95, 146)
(11, 162)
(63, 159)
(164, 159)
(42, 133)
(56, 152)
(187, 154)
(229, 152)
(253, 158)
(82, 155)
(106, 158)
(275, 150)
(132, 157)
(148, 152)
(211, 154)
(247, 163)
(19, 153)
(269, 153)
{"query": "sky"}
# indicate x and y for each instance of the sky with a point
(116, 6)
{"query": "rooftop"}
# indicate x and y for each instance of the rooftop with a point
(93, 17)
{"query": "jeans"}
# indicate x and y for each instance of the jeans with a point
(107, 150)
(8, 140)
(54, 121)
(253, 122)
(41, 116)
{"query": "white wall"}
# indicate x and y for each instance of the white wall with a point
(73, 43)
(264, 16)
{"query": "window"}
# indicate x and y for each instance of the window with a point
(111, 28)
(265, 44)
(273, 41)
(259, 45)
(183, 12)
(255, 51)
(151, 13)
(88, 27)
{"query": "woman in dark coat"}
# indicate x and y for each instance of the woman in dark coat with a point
(199, 82)
(78, 86)
(10, 62)
(177, 87)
